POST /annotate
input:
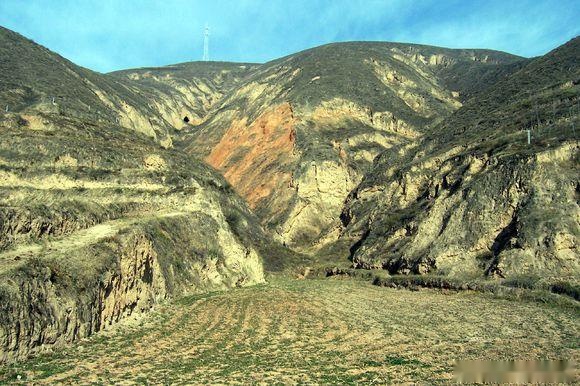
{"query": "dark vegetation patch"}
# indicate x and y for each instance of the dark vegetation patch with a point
(529, 287)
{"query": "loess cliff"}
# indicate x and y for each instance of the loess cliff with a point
(298, 134)
(97, 224)
(100, 219)
(472, 197)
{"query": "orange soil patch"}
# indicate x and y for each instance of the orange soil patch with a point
(251, 156)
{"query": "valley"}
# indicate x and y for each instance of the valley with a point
(359, 212)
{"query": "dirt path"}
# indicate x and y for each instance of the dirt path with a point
(83, 237)
(312, 331)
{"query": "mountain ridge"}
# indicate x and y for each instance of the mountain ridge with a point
(379, 86)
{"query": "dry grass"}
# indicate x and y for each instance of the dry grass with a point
(312, 331)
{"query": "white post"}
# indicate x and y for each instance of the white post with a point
(529, 136)
(6, 108)
(53, 101)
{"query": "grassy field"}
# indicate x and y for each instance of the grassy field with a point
(311, 331)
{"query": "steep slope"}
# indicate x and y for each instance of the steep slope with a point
(154, 101)
(97, 224)
(296, 136)
(184, 93)
(472, 78)
(37, 80)
(472, 197)
(98, 220)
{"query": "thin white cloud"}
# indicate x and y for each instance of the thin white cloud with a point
(110, 34)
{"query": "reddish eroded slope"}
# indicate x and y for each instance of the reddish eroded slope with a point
(252, 156)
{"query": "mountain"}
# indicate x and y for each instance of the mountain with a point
(298, 134)
(36, 79)
(100, 219)
(406, 158)
(472, 197)
(153, 101)
(184, 93)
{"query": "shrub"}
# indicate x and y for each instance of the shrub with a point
(565, 288)
(234, 220)
(522, 281)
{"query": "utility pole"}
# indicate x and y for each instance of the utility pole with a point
(206, 43)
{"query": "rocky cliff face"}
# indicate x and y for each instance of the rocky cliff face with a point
(55, 299)
(472, 197)
(474, 214)
(297, 135)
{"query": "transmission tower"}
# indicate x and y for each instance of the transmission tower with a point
(206, 44)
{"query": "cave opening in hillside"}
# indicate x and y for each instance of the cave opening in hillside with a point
(186, 119)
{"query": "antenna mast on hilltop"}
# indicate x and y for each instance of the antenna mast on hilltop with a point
(206, 43)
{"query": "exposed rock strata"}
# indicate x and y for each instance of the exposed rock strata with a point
(48, 301)
(348, 103)
(472, 197)
(471, 215)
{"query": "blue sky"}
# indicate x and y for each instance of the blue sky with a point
(109, 35)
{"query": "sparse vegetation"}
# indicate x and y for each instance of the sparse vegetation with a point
(312, 331)
(471, 232)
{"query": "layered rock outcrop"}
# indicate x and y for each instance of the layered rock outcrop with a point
(54, 299)
(472, 197)
(471, 214)
(338, 106)
(85, 244)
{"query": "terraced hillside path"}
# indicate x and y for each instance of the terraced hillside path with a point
(83, 237)
(311, 331)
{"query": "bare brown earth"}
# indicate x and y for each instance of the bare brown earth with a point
(314, 332)
(246, 152)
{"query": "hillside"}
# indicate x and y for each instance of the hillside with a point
(404, 158)
(184, 93)
(471, 197)
(99, 221)
(297, 135)
(153, 101)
